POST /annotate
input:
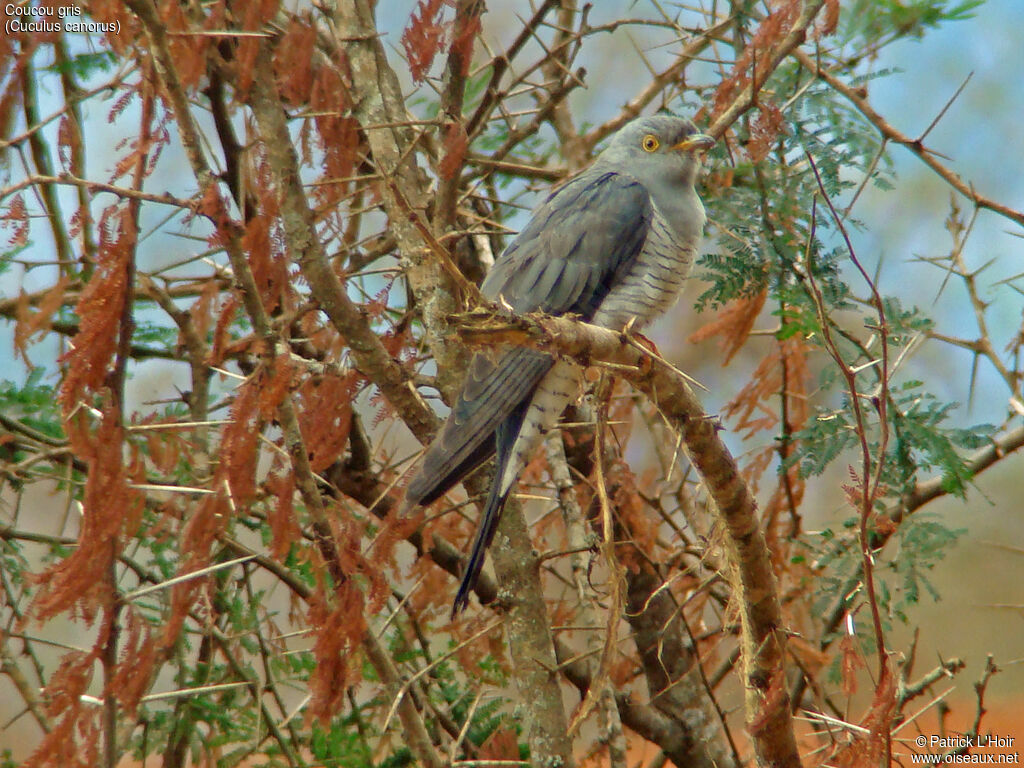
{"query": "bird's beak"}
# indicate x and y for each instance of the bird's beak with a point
(697, 141)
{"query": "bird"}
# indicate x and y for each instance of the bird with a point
(612, 246)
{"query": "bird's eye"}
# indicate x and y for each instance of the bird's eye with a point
(650, 143)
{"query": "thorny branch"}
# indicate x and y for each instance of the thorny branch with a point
(914, 145)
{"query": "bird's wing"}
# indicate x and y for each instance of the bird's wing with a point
(575, 248)
(566, 260)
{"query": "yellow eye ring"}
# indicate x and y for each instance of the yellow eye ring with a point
(650, 143)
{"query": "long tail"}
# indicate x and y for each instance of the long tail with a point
(492, 394)
(484, 536)
(515, 440)
(504, 441)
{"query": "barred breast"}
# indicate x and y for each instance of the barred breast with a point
(655, 279)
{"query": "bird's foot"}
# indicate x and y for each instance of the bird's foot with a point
(639, 341)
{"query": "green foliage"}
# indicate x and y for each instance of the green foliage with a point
(904, 325)
(8, 256)
(13, 564)
(922, 542)
(732, 273)
(901, 570)
(344, 742)
(924, 442)
(155, 334)
(85, 65)
(34, 404)
(836, 561)
(489, 715)
(769, 213)
(820, 443)
(871, 21)
(920, 441)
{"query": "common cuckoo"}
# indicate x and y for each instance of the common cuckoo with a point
(613, 245)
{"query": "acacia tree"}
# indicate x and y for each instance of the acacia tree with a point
(294, 225)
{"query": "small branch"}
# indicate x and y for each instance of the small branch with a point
(499, 66)
(946, 669)
(558, 62)
(659, 82)
(413, 727)
(674, 739)
(871, 479)
(28, 692)
(976, 463)
(94, 187)
(979, 689)
(914, 145)
(41, 159)
(588, 613)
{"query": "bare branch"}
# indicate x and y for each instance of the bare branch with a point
(914, 145)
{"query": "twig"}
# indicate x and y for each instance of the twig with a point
(914, 145)
(871, 478)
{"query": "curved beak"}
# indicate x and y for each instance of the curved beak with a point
(695, 142)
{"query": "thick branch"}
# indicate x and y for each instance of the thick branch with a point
(348, 319)
(380, 110)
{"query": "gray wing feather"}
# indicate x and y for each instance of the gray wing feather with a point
(576, 246)
(490, 393)
(574, 249)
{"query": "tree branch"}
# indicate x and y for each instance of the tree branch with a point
(914, 145)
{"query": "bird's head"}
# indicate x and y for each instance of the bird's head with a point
(660, 147)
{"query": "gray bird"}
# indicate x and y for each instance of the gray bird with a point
(613, 245)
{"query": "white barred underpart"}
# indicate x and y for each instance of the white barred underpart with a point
(646, 291)
(654, 282)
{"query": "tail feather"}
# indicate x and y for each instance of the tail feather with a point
(432, 481)
(504, 440)
(515, 440)
(481, 542)
(492, 392)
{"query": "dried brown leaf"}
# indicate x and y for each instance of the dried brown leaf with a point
(81, 583)
(764, 130)
(733, 323)
(16, 217)
(293, 62)
(423, 37)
